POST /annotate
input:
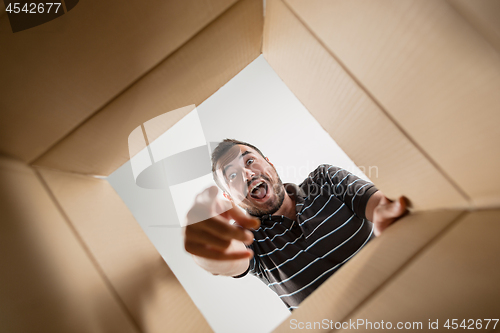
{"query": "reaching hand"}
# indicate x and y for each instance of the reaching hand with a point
(212, 237)
(387, 212)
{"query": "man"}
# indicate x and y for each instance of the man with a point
(294, 237)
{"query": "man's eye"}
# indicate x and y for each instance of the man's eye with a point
(249, 161)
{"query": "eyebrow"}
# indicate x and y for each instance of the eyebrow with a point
(229, 165)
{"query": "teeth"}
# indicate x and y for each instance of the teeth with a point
(256, 185)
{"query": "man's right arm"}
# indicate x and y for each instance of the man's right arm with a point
(225, 267)
(217, 245)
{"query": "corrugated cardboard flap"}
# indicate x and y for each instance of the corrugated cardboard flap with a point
(455, 278)
(188, 76)
(371, 269)
(137, 272)
(351, 115)
(48, 281)
(58, 74)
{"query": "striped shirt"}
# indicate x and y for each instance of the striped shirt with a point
(295, 257)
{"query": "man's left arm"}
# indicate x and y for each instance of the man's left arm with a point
(362, 197)
(383, 212)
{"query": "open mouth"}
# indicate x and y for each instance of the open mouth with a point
(259, 190)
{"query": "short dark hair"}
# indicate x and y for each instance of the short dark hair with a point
(221, 149)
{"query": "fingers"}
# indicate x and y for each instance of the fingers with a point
(397, 208)
(391, 209)
(407, 202)
(214, 234)
(200, 236)
(220, 227)
(209, 235)
(388, 212)
(242, 218)
(204, 251)
(207, 205)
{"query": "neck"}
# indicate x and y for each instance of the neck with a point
(287, 208)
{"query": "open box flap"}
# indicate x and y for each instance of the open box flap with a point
(57, 75)
(351, 116)
(454, 278)
(188, 76)
(48, 280)
(135, 270)
(434, 75)
(372, 268)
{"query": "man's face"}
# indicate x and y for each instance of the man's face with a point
(251, 181)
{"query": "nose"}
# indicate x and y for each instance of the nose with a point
(249, 174)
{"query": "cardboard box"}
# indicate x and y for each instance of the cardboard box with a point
(410, 86)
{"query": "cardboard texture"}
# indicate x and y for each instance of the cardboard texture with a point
(73, 66)
(48, 283)
(188, 76)
(483, 16)
(433, 74)
(410, 87)
(349, 114)
(148, 132)
(148, 288)
(372, 268)
(456, 277)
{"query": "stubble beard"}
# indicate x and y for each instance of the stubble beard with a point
(273, 204)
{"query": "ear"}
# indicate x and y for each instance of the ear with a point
(227, 196)
(269, 162)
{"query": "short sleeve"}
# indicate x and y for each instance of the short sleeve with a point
(347, 187)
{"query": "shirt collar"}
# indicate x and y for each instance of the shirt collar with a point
(297, 194)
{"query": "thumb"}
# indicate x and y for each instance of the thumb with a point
(208, 196)
(397, 208)
(212, 192)
(203, 207)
